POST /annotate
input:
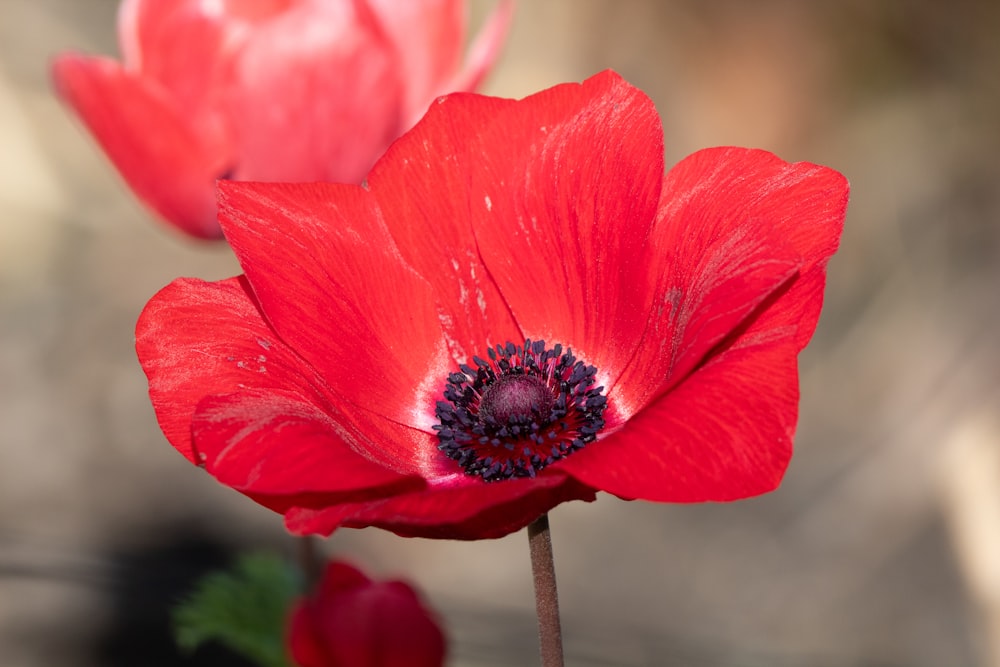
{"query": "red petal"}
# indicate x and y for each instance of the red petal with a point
(724, 433)
(485, 48)
(231, 395)
(169, 165)
(305, 639)
(333, 286)
(187, 45)
(734, 226)
(183, 45)
(562, 207)
(422, 185)
(428, 36)
(724, 430)
(316, 96)
(283, 451)
(468, 511)
(804, 203)
(339, 577)
(197, 339)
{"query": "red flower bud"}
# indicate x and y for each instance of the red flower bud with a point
(352, 621)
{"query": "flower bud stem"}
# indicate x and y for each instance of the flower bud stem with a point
(310, 561)
(543, 572)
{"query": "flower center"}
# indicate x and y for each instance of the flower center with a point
(513, 398)
(522, 410)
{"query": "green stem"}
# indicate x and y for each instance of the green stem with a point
(543, 571)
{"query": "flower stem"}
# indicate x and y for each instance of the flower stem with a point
(310, 561)
(543, 571)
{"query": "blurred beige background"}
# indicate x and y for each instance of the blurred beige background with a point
(882, 548)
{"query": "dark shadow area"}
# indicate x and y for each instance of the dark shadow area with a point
(147, 583)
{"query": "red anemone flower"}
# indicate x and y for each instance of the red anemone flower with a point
(516, 309)
(266, 90)
(353, 621)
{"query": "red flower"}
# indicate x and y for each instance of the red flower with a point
(342, 382)
(352, 621)
(290, 90)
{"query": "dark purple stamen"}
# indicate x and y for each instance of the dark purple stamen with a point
(522, 410)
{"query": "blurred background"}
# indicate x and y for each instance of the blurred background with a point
(882, 547)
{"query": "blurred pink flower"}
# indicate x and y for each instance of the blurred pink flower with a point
(266, 90)
(353, 621)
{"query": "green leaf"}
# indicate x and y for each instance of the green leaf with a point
(243, 609)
